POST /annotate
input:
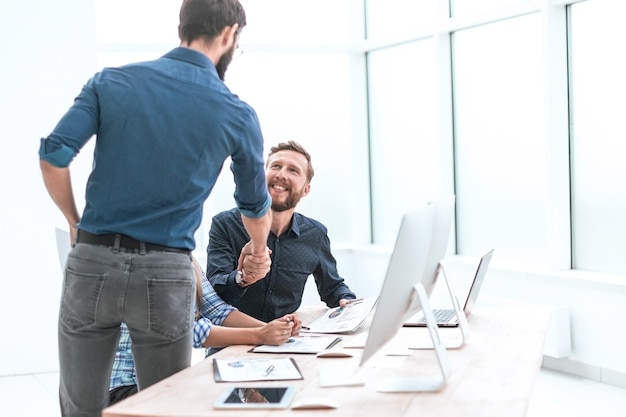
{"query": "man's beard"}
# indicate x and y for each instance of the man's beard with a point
(290, 202)
(224, 61)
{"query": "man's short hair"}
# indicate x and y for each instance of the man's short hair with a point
(296, 147)
(205, 19)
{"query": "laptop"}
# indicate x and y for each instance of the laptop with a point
(446, 317)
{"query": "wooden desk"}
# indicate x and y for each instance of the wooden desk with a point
(492, 375)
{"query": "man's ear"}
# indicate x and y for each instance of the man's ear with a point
(306, 190)
(228, 37)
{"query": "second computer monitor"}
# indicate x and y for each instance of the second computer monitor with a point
(421, 243)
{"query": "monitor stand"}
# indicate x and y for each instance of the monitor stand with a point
(411, 384)
(460, 315)
(463, 329)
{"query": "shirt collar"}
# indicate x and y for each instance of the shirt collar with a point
(191, 56)
(295, 224)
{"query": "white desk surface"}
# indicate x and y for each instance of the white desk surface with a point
(492, 375)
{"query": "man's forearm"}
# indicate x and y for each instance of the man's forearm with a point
(258, 229)
(59, 185)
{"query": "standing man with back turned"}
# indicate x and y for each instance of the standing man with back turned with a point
(163, 131)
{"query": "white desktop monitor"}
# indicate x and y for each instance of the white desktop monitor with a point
(420, 245)
(442, 225)
(406, 268)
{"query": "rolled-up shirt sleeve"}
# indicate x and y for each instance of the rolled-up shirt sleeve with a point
(201, 330)
(74, 129)
(213, 312)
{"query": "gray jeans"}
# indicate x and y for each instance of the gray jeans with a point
(153, 292)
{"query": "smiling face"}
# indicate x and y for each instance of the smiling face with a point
(286, 174)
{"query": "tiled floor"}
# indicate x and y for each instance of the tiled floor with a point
(556, 395)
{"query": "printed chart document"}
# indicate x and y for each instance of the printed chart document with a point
(252, 369)
(343, 319)
(300, 344)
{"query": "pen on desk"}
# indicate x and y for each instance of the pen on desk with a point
(334, 342)
(269, 370)
(355, 301)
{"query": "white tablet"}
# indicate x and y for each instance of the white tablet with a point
(255, 397)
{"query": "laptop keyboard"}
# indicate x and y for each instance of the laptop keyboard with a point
(441, 315)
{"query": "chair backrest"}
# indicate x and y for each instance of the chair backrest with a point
(63, 246)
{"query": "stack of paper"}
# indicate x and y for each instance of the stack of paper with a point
(251, 369)
(343, 319)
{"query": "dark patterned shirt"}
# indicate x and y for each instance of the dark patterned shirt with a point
(303, 250)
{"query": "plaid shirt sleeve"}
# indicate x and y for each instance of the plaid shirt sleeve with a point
(213, 312)
(123, 372)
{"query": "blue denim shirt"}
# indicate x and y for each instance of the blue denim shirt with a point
(164, 129)
(303, 250)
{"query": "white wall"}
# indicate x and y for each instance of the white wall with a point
(48, 53)
(596, 306)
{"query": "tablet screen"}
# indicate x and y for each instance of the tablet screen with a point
(255, 397)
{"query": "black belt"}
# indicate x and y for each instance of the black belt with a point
(125, 242)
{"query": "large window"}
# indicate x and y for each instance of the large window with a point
(598, 88)
(405, 166)
(541, 186)
(499, 136)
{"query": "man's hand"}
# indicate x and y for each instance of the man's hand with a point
(345, 302)
(254, 266)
